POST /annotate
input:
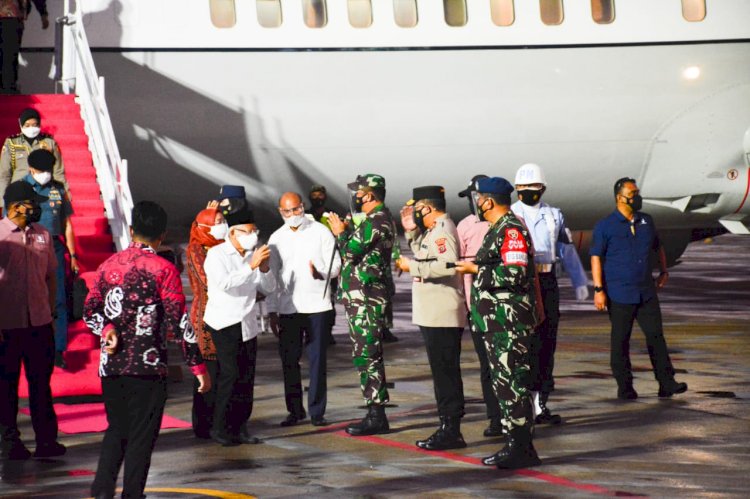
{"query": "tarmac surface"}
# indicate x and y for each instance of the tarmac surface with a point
(694, 445)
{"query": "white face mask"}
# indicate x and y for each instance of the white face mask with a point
(42, 178)
(248, 241)
(295, 220)
(219, 231)
(31, 131)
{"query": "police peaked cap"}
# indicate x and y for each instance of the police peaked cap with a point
(426, 192)
(494, 185)
(369, 180)
(28, 114)
(466, 192)
(20, 190)
(232, 191)
(42, 160)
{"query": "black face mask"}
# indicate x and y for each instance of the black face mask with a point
(33, 214)
(636, 202)
(480, 212)
(530, 197)
(419, 220)
(318, 202)
(357, 202)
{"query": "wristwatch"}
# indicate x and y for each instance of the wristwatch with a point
(598, 289)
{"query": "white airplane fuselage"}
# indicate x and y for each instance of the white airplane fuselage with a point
(650, 95)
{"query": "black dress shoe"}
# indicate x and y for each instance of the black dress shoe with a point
(246, 438)
(319, 421)
(628, 393)
(14, 450)
(224, 439)
(673, 388)
(292, 419)
(495, 429)
(52, 449)
(389, 337)
(546, 417)
(60, 360)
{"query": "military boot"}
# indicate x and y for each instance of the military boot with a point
(447, 436)
(374, 423)
(518, 452)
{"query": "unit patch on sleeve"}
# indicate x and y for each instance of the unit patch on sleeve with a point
(514, 250)
(440, 243)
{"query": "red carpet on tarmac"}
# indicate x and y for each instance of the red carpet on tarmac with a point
(61, 118)
(91, 418)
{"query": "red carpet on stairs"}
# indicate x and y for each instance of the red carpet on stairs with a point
(61, 118)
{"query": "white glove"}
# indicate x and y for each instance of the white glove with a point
(582, 293)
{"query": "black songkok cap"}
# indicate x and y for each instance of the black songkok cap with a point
(42, 160)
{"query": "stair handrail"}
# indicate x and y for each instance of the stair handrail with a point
(77, 75)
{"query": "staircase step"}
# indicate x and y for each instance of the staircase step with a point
(88, 207)
(86, 190)
(89, 225)
(72, 140)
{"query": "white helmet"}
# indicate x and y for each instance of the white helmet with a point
(530, 173)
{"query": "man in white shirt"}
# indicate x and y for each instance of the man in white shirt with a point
(301, 262)
(235, 272)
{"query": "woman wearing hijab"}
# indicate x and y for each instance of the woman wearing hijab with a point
(208, 230)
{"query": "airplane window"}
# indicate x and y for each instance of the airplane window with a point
(405, 13)
(222, 13)
(503, 13)
(694, 10)
(603, 11)
(315, 13)
(269, 13)
(360, 13)
(552, 11)
(455, 12)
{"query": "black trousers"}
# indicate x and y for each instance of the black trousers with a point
(485, 374)
(203, 403)
(443, 346)
(35, 347)
(648, 315)
(134, 405)
(544, 342)
(236, 379)
(11, 30)
(318, 327)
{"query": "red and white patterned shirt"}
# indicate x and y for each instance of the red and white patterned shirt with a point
(139, 294)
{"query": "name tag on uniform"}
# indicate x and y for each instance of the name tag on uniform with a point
(40, 239)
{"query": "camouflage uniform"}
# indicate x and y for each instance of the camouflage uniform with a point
(503, 310)
(364, 292)
(14, 160)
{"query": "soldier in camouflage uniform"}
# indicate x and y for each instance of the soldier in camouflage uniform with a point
(363, 289)
(503, 310)
(16, 149)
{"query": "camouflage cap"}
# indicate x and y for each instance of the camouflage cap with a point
(371, 180)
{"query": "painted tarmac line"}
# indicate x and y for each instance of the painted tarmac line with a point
(221, 494)
(538, 475)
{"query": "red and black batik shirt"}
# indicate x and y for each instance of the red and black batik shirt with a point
(139, 294)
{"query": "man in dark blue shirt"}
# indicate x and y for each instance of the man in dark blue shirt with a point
(621, 251)
(56, 212)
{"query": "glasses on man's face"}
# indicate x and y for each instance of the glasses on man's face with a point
(297, 210)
